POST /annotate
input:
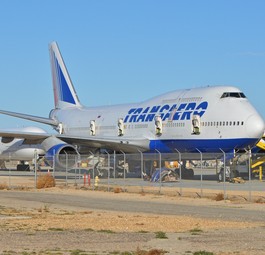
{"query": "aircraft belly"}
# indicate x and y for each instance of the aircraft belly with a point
(203, 145)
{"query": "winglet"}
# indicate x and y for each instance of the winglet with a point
(63, 89)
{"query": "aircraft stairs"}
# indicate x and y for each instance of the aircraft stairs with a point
(257, 161)
(261, 143)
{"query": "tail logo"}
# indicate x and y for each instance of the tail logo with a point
(62, 86)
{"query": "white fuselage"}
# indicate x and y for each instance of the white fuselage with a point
(224, 121)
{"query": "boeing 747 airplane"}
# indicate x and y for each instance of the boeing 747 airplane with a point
(206, 119)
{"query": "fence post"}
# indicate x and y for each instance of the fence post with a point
(9, 171)
(224, 186)
(124, 162)
(114, 164)
(201, 168)
(35, 166)
(249, 175)
(160, 179)
(108, 167)
(66, 166)
(78, 165)
(180, 173)
(93, 171)
(142, 170)
(53, 163)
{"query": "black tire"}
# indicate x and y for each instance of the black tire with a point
(191, 174)
(23, 167)
(187, 174)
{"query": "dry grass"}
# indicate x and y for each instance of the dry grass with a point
(3, 186)
(219, 197)
(260, 200)
(117, 190)
(45, 181)
(150, 252)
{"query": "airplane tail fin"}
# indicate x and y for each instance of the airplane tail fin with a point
(63, 89)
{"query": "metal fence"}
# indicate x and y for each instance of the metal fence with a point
(194, 174)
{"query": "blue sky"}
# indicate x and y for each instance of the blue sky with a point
(128, 51)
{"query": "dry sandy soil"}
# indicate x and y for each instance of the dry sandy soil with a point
(42, 229)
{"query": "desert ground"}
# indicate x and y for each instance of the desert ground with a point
(33, 226)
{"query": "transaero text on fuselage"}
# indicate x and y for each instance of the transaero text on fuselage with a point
(184, 111)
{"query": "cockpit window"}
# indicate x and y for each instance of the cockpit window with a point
(233, 94)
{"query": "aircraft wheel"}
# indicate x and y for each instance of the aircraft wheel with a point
(23, 167)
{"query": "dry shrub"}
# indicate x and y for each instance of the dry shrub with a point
(219, 197)
(45, 181)
(3, 186)
(117, 190)
(156, 252)
(150, 252)
(22, 188)
(260, 200)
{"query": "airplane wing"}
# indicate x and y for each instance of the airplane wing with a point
(31, 117)
(118, 144)
(85, 144)
(24, 135)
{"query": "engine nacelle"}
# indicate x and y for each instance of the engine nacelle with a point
(59, 154)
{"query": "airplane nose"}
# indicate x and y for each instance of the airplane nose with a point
(255, 126)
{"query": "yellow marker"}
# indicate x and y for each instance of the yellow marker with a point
(96, 181)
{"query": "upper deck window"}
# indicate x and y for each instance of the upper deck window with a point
(233, 94)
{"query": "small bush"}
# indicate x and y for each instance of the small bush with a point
(196, 231)
(77, 252)
(203, 253)
(107, 231)
(260, 200)
(219, 197)
(161, 235)
(117, 190)
(44, 209)
(150, 252)
(3, 186)
(56, 229)
(45, 181)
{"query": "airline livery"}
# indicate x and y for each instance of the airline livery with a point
(206, 119)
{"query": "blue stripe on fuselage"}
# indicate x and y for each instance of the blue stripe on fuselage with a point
(203, 145)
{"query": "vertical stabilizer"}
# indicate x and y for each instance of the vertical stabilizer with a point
(63, 89)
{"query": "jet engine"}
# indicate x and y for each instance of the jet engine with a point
(60, 155)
